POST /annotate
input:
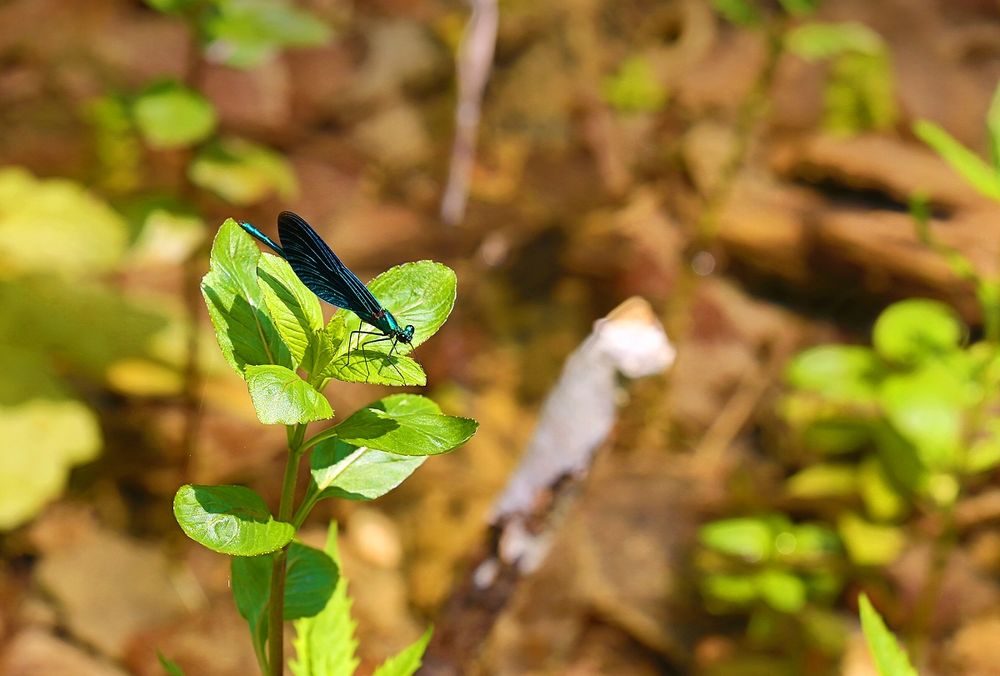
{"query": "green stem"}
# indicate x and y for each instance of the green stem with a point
(286, 508)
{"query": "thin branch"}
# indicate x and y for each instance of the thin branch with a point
(475, 58)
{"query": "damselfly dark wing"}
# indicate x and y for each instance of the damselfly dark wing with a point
(320, 269)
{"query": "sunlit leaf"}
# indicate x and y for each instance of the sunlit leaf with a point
(839, 372)
(746, 537)
(295, 309)
(56, 226)
(406, 424)
(408, 660)
(325, 643)
(230, 520)
(972, 168)
(635, 87)
(242, 172)
(280, 396)
(911, 330)
(171, 667)
(780, 589)
(170, 115)
(882, 500)
(344, 471)
(815, 41)
(421, 294)
(890, 658)
(870, 544)
(739, 12)
(235, 302)
(927, 407)
(823, 481)
(729, 589)
(42, 440)
(247, 33)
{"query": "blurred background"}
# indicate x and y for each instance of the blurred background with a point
(769, 176)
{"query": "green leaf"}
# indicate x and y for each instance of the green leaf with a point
(344, 471)
(171, 667)
(972, 168)
(729, 588)
(280, 396)
(984, 454)
(869, 544)
(912, 330)
(421, 294)
(890, 658)
(310, 583)
(56, 226)
(325, 643)
(823, 481)
(230, 520)
(407, 661)
(927, 407)
(171, 6)
(882, 500)
(42, 440)
(635, 87)
(849, 373)
(242, 172)
(407, 424)
(807, 543)
(817, 41)
(833, 436)
(800, 7)
(310, 578)
(250, 577)
(782, 590)
(739, 12)
(295, 309)
(749, 538)
(248, 33)
(170, 115)
(235, 302)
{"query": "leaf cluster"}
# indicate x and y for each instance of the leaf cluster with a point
(271, 331)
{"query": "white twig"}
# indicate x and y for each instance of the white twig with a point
(475, 58)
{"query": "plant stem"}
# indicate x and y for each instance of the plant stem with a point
(276, 615)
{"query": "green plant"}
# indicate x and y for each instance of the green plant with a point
(270, 329)
(783, 574)
(860, 93)
(890, 658)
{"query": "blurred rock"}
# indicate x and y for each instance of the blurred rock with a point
(250, 100)
(214, 641)
(34, 652)
(708, 148)
(107, 586)
(873, 163)
(400, 55)
(971, 651)
(395, 137)
(375, 538)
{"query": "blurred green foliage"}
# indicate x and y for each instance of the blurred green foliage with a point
(859, 94)
(634, 88)
(63, 322)
(890, 658)
(247, 33)
(982, 175)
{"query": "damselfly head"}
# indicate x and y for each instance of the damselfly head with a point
(406, 335)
